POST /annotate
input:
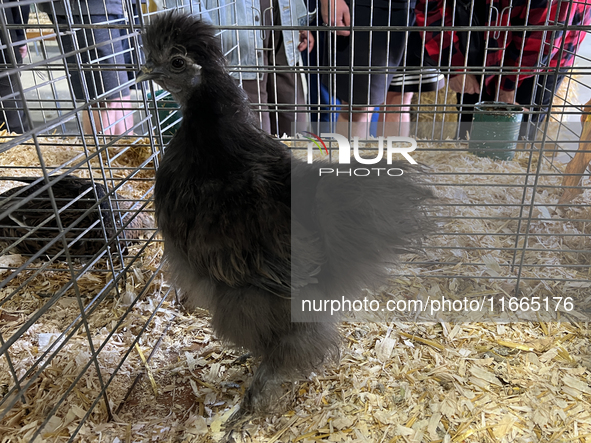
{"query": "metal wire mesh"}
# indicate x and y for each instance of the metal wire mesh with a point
(60, 234)
(81, 277)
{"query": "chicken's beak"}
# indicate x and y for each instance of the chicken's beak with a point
(148, 72)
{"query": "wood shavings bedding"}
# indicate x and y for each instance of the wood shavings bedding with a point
(397, 381)
(34, 287)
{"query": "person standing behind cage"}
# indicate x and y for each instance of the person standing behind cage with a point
(102, 51)
(266, 61)
(12, 116)
(379, 51)
(282, 87)
(533, 61)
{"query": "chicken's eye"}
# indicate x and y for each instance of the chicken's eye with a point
(178, 63)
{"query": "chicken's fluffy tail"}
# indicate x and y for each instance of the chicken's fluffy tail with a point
(368, 221)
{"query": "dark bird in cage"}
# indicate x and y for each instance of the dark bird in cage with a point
(247, 227)
(28, 223)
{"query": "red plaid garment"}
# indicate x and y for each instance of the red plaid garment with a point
(559, 13)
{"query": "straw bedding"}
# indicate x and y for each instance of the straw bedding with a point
(448, 380)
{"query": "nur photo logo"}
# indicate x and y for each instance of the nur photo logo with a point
(388, 146)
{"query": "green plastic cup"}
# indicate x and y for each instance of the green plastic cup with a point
(495, 130)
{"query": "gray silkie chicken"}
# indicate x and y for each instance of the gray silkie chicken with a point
(240, 240)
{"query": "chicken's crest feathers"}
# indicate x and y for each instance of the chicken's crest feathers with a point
(187, 35)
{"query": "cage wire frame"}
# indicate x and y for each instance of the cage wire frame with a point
(112, 260)
(57, 121)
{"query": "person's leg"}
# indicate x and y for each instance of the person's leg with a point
(465, 106)
(352, 82)
(74, 73)
(257, 96)
(525, 96)
(289, 96)
(114, 116)
(132, 54)
(83, 82)
(116, 112)
(12, 116)
(11, 110)
(412, 76)
(536, 94)
(367, 88)
(285, 90)
(90, 86)
(119, 114)
(359, 120)
(397, 118)
(256, 89)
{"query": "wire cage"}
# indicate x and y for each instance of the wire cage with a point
(93, 343)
